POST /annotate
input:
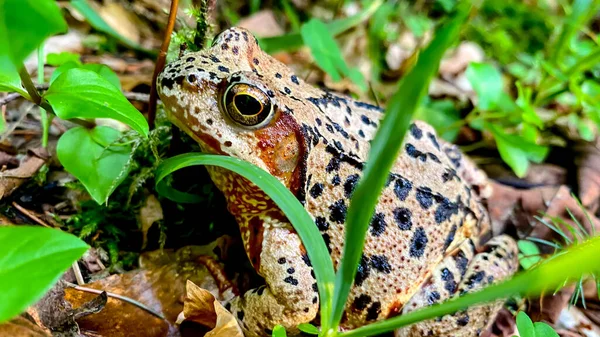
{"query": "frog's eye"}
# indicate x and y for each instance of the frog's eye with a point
(247, 104)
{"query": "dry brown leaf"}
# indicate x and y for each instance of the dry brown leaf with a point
(22, 327)
(262, 24)
(201, 307)
(150, 212)
(588, 175)
(122, 21)
(10, 180)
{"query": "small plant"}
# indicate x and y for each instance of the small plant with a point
(529, 329)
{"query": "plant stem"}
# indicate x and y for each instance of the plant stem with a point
(43, 113)
(160, 62)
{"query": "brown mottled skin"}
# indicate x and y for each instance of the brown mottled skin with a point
(423, 243)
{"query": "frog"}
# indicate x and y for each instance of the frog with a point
(428, 239)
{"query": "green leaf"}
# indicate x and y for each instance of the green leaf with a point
(440, 114)
(382, 155)
(567, 266)
(418, 24)
(308, 328)
(544, 330)
(487, 83)
(32, 259)
(99, 69)
(27, 23)
(327, 54)
(79, 93)
(279, 331)
(98, 23)
(285, 200)
(59, 59)
(525, 325)
(581, 11)
(92, 156)
(294, 41)
(530, 254)
(515, 151)
(524, 102)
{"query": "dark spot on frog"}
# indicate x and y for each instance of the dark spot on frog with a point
(350, 184)
(270, 93)
(450, 174)
(312, 274)
(373, 311)
(415, 131)
(287, 90)
(209, 121)
(365, 119)
(333, 165)
(341, 130)
(291, 280)
(475, 279)
(255, 61)
(433, 157)
(214, 59)
(433, 297)
(361, 302)
(295, 79)
(378, 224)
(338, 211)
(381, 264)
(338, 145)
(363, 271)
(291, 270)
(281, 260)
(425, 197)
(318, 120)
(306, 309)
(190, 59)
(316, 190)
(189, 67)
(412, 151)
(306, 260)
(315, 299)
(368, 106)
(327, 240)
(448, 278)
(445, 210)
(418, 242)
(463, 321)
(224, 46)
(335, 181)
(235, 50)
(403, 216)
(321, 223)
(223, 69)
(277, 75)
(261, 290)
(361, 133)
(329, 128)
(269, 332)
(240, 315)
(402, 187)
(450, 237)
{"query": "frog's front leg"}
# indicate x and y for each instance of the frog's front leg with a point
(290, 296)
(459, 273)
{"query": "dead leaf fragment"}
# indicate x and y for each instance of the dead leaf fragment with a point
(588, 175)
(10, 180)
(22, 327)
(262, 24)
(150, 212)
(201, 307)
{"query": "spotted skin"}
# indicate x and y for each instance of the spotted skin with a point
(316, 143)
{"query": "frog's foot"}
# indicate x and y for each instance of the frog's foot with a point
(457, 274)
(290, 296)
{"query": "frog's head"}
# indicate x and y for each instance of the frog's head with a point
(229, 99)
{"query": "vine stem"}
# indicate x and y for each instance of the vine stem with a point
(160, 62)
(39, 101)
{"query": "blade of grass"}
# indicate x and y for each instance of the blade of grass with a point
(294, 41)
(544, 242)
(384, 149)
(578, 261)
(285, 200)
(580, 12)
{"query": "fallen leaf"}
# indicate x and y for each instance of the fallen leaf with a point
(587, 162)
(22, 327)
(262, 24)
(150, 212)
(10, 180)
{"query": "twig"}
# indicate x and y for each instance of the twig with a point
(119, 297)
(77, 272)
(136, 96)
(30, 215)
(160, 61)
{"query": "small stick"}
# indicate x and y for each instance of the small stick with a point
(77, 272)
(160, 61)
(30, 215)
(119, 297)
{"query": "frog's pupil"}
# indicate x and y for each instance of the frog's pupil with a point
(247, 105)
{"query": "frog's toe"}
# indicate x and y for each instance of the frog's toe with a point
(459, 273)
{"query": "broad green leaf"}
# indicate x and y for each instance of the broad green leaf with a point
(99, 69)
(515, 151)
(27, 23)
(530, 254)
(308, 328)
(80, 93)
(525, 325)
(524, 102)
(544, 330)
(382, 155)
(93, 157)
(568, 266)
(418, 24)
(487, 83)
(285, 200)
(9, 75)
(294, 40)
(96, 21)
(32, 259)
(327, 54)
(279, 331)
(58, 59)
